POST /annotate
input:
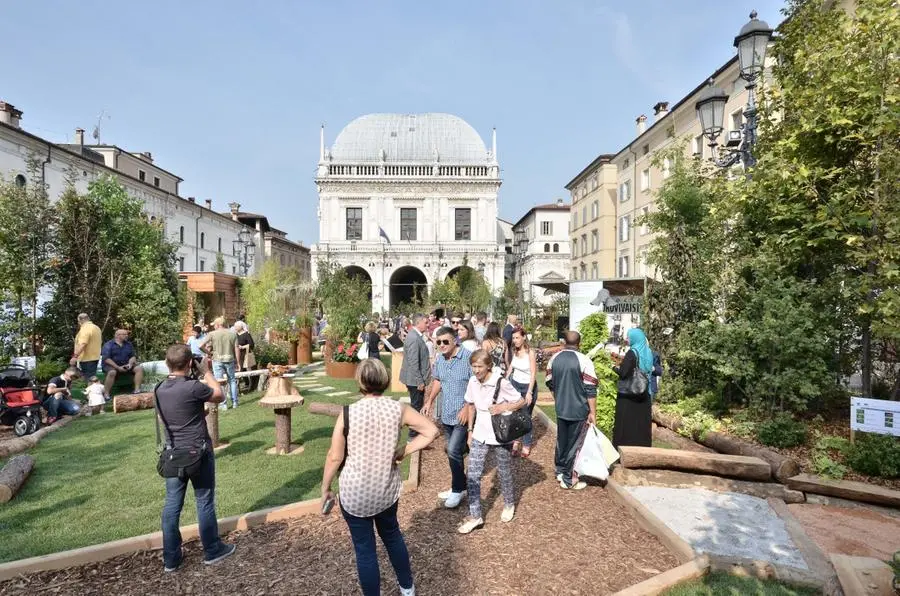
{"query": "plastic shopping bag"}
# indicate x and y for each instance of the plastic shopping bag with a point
(610, 453)
(590, 460)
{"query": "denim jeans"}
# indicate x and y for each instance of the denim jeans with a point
(61, 407)
(204, 483)
(416, 400)
(226, 369)
(456, 435)
(523, 388)
(364, 544)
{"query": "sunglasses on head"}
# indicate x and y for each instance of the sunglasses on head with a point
(443, 342)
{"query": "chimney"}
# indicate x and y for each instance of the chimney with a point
(235, 209)
(641, 124)
(148, 156)
(209, 204)
(79, 136)
(192, 199)
(9, 114)
(660, 109)
(559, 202)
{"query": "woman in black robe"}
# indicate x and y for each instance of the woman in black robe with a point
(633, 420)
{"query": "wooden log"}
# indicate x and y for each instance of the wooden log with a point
(13, 476)
(665, 435)
(283, 430)
(734, 466)
(135, 401)
(782, 467)
(846, 489)
(212, 423)
(20, 444)
(675, 479)
(326, 409)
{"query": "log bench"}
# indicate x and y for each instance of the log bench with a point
(732, 466)
(676, 479)
(845, 489)
(13, 476)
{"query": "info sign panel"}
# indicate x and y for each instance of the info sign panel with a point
(875, 416)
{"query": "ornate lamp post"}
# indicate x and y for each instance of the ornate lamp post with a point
(243, 248)
(751, 43)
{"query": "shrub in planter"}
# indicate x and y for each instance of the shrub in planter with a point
(781, 431)
(606, 392)
(875, 455)
(266, 353)
(345, 353)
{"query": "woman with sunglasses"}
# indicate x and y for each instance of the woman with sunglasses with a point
(522, 373)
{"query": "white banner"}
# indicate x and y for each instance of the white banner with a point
(581, 293)
(875, 416)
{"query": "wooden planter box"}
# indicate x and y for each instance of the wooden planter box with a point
(305, 346)
(340, 370)
(292, 353)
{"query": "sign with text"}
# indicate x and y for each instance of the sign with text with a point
(623, 305)
(875, 416)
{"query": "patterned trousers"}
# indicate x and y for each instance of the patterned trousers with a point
(477, 454)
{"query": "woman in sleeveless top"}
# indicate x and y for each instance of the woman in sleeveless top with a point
(370, 478)
(522, 374)
(495, 346)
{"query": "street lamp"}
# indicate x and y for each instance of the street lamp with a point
(243, 248)
(751, 43)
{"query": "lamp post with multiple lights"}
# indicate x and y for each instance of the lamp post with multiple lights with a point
(244, 249)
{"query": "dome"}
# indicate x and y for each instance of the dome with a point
(406, 138)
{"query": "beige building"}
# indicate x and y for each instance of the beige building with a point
(612, 194)
(270, 243)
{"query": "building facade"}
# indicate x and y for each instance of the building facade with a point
(203, 236)
(541, 250)
(406, 200)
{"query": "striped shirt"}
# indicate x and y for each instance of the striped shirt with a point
(453, 374)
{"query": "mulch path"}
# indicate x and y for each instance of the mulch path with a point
(560, 542)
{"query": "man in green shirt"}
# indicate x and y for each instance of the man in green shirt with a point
(223, 342)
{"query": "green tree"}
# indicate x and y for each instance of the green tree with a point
(345, 302)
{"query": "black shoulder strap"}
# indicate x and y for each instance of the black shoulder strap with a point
(497, 388)
(158, 415)
(346, 432)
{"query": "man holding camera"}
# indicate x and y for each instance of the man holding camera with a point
(180, 402)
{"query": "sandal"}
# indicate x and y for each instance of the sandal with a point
(526, 451)
(516, 446)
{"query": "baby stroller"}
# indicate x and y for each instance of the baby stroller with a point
(19, 403)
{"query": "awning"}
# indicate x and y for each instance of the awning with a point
(624, 286)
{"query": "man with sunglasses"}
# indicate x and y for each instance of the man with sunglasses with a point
(451, 377)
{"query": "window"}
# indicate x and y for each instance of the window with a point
(156, 181)
(202, 265)
(555, 247)
(220, 244)
(595, 210)
(624, 228)
(737, 119)
(584, 244)
(408, 220)
(181, 234)
(626, 163)
(181, 263)
(463, 219)
(625, 191)
(20, 180)
(697, 146)
(642, 258)
(584, 218)
(583, 272)
(645, 149)
(354, 223)
(574, 220)
(202, 239)
(142, 175)
(594, 272)
(595, 241)
(645, 227)
(546, 228)
(670, 132)
(547, 247)
(667, 167)
(574, 247)
(234, 270)
(281, 260)
(574, 273)
(623, 266)
(594, 182)
(645, 179)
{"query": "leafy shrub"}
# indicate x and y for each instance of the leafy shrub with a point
(824, 466)
(832, 443)
(593, 329)
(266, 352)
(696, 425)
(875, 455)
(45, 370)
(606, 392)
(670, 391)
(781, 431)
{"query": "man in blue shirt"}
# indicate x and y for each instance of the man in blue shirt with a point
(451, 377)
(119, 359)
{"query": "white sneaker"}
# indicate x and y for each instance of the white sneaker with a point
(508, 513)
(470, 524)
(454, 500)
(445, 494)
(577, 486)
(408, 591)
(559, 477)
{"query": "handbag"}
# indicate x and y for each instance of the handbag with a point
(636, 384)
(175, 462)
(510, 426)
(363, 351)
(249, 361)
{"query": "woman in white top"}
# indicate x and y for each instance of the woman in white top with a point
(522, 373)
(481, 404)
(466, 334)
(370, 479)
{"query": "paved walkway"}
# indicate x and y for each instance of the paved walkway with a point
(560, 542)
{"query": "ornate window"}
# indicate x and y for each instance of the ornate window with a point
(463, 224)
(354, 223)
(547, 247)
(408, 223)
(555, 247)
(181, 234)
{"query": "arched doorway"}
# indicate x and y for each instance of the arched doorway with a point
(408, 284)
(464, 269)
(356, 272)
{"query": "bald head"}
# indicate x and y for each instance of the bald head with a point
(573, 339)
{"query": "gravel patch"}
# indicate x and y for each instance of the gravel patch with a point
(728, 524)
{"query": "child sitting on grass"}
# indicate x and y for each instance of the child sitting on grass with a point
(96, 396)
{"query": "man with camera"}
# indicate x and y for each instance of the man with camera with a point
(188, 454)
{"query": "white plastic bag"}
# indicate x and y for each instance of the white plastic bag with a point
(363, 351)
(590, 460)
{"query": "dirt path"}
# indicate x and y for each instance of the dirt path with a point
(561, 542)
(856, 532)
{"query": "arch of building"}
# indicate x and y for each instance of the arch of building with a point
(456, 270)
(407, 284)
(357, 272)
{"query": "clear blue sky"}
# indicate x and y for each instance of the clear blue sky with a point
(230, 95)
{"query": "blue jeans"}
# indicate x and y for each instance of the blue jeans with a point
(226, 369)
(204, 483)
(88, 368)
(364, 545)
(61, 407)
(456, 435)
(523, 388)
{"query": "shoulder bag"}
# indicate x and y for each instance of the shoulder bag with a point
(509, 426)
(175, 462)
(637, 383)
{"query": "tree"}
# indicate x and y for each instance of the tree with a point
(345, 301)
(276, 298)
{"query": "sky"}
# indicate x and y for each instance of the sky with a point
(230, 95)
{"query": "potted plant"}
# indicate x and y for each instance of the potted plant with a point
(344, 359)
(346, 303)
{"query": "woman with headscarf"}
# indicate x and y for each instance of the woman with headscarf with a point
(633, 420)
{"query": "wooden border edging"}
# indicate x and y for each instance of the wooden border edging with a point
(411, 484)
(815, 559)
(660, 583)
(743, 567)
(542, 416)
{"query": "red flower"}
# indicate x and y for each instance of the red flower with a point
(340, 349)
(353, 347)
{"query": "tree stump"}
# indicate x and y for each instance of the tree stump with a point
(128, 403)
(282, 405)
(281, 385)
(13, 476)
(212, 426)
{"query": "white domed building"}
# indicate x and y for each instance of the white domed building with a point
(407, 199)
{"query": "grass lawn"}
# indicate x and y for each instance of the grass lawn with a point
(550, 411)
(723, 584)
(95, 480)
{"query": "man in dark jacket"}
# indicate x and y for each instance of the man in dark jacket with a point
(180, 403)
(573, 381)
(415, 372)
